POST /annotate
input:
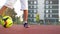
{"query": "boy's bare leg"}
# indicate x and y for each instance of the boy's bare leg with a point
(26, 18)
(25, 15)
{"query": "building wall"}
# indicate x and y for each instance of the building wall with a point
(47, 9)
(51, 11)
(59, 10)
(32, 6)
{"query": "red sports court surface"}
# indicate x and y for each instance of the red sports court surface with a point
(34, 29)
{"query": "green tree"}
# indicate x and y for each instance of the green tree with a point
(10, 12)
(18, 21)
(37, 18)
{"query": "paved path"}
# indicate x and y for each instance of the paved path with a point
(34, 29)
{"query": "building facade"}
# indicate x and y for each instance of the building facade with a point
(33, 8)
(51, 12)
(48, 11)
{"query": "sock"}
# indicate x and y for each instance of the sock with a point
(25, 21)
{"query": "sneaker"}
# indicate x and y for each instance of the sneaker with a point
(26, 25)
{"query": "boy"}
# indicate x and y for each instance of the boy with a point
(24, 7)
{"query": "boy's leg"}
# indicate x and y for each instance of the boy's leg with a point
(24, 7)
(25, 18)
(25, 15)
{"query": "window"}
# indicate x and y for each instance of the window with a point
(31, 20)
(34, 11)
(55, 11)
(31, 7)
(34, 19)
(50, 11)
(30, 15)
(35, 2)
(34, 15)
(30, 11)
(35, 6)
(50, 2)
(50, 15)
(31, 2)
(55, 16)
(55, 2)
(47, 11)
(47, 2)
(50, 6)
(47, 6)
(46, 15)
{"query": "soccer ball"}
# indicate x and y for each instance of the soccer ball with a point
(6, 21)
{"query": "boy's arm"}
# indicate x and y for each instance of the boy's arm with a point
(2, 10)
